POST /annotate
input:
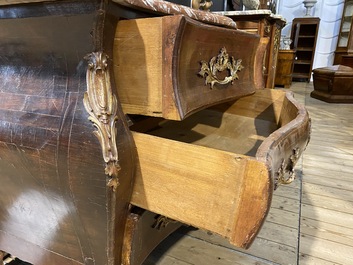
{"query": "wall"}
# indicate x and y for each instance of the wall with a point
(330, 12)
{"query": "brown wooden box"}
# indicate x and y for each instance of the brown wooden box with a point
(333, 84)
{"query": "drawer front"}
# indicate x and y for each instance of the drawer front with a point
(227, 60)
(283, 148)
(174, 66)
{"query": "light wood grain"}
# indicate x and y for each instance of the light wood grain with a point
(190, 250)
(169, 182)
(327, 201)
(263, 248)
(335, 173)
(333, 203)
(328, 187)
(285, 203)
(288, 192)
(326, 249)
(139, 95)
(324, 219)
(305, 259)
(282, 217)
(327, 231)
(208, 165)
(327, 215)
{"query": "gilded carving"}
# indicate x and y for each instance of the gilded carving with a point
(277, 40)
(202, 4)
(101, 104)
(285, 173)
(220, 63)
(162, 222)
(267, 28)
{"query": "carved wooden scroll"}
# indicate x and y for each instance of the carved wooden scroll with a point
(101, 104)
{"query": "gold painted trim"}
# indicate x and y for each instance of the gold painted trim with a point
(285, 173)
(220, 63)
(162, 222)
(204, 5)
(101, 105)
(276, 41)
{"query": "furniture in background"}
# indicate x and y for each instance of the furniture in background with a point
(284, 68)
(122, 120)
(267, 25)
(347, 60)
(207, 5)
(269, 4)
(264, 4)
(345, 42)
(304, 35)
(333, 84)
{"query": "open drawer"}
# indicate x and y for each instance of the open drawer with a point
(173, 66)
(217, 169)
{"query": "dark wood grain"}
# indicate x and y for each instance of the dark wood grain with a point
(55, 205)
(333, 84)
(158, 61)
(201, 43)
(304, 35)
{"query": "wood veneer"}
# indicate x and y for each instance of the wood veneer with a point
(68, 156)
(157, 63)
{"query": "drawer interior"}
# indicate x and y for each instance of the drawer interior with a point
(237, 126)
(205, 171)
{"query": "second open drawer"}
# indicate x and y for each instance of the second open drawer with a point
(217, 169)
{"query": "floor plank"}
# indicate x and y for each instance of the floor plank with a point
(331, 251)
(318, 185)
(326, 231)
(323, 201)
(190, 250)
(262, 248)
(305, 259)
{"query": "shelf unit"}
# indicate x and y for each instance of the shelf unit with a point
(345, 43)
(304, 36)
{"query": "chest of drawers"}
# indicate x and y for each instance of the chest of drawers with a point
(120, 117)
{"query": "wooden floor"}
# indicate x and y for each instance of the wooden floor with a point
(311, 220)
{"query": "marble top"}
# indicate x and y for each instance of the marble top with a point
(252, 13)
(168, 8)
(158, 6)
